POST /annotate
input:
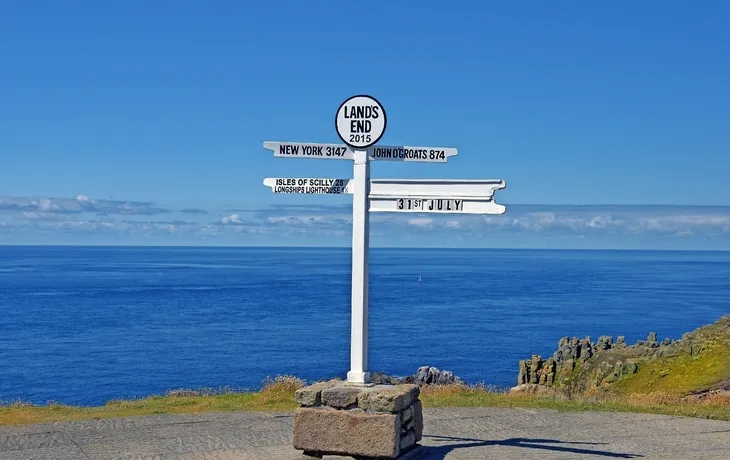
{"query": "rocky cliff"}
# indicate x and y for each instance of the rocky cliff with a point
(698, 361)
(425, 375)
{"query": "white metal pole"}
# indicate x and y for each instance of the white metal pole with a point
(360, 245)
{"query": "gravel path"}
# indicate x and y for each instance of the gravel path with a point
(454, 434)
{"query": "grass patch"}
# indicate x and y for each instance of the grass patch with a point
(682, 374)
(715, 407)
(278, 395)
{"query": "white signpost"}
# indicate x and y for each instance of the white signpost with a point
(360, 122)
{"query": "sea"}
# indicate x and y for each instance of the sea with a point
(85, 325)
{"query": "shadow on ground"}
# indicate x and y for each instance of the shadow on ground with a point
(440, 452)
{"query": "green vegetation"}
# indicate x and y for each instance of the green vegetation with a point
(713, 407)
(278, 395)
(679, 375)
(704, 364)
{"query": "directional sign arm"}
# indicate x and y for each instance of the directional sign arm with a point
(435, 196)
(309, 185)
(434, 205)
(410, 153)
(309, 150)
(403, 153)
(483, 189)
(404, 195)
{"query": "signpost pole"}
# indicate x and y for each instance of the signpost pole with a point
(358, 373)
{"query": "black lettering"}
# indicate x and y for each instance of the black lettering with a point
(400, 203)
(430, 205)
(448, 205)
(368, 126)
(375, 111)
(353, 127)
(458, 204)
(440, 205)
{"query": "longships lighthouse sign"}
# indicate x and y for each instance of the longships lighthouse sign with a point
(360, 122)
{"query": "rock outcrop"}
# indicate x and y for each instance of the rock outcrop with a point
(579, 365)
(426, 375)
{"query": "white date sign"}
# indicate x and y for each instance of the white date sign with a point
(425, 205)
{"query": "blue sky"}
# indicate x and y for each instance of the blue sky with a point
(143, 122)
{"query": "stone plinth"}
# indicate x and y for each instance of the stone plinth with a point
(365, 422)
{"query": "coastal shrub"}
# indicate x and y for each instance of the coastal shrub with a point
(280, 389)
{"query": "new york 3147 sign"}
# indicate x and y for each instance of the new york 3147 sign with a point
(360, 122)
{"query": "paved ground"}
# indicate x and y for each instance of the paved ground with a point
(468, 433)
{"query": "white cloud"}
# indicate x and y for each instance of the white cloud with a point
(84, 216)
(84, 199)
(33, 215)
(309, 219)
(234, 219)
(421, 222)
(44, 204)
(77, 205)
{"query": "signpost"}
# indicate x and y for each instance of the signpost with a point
(309, 185)
(360, 122)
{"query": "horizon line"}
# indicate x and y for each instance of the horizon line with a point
(223, 246)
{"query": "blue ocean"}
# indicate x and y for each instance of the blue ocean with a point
(83, 325)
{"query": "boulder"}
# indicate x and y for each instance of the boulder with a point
(651, 340)
(428, 375)
(341, 397)
(312, 395)
(395, 399)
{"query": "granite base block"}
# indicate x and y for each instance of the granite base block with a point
(374, 422)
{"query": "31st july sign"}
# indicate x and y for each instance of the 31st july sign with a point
(425, 205)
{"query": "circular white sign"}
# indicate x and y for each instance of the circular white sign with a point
(360, 121)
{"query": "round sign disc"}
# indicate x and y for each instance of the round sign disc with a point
(360, 121)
